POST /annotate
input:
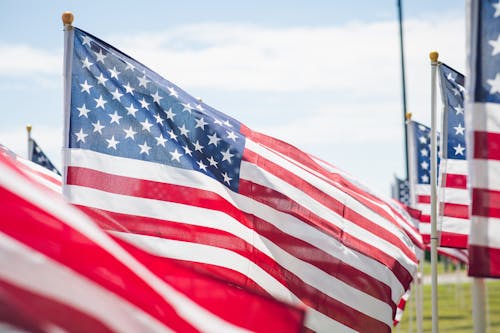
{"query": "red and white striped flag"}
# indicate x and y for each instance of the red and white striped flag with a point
(60, 272)
(188, 182)
(483, 121)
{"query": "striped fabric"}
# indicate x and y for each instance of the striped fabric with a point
(401, 307)
(280, 224)
(59, 272)
(453, 194)
(483, 121)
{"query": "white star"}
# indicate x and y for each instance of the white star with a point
(212, 162)
(199, 107)
(117, 95)
(459, 109)
(86, 87)
(100, 102)
(131, 110)
(146, 125)
(217, 122)
(495, 84)
(198, 147)
(143, 81)
(159, 119)
(459, 129)
(98, 127)
(227, 179)
(425, 178)
(130, 133)
(496, 45)
(100, 56)
(423, 139)
(112, 142)
(226, 155)
(424, 152)
(227, 123)
(202, 166)
(114, 73)
(86, 40)
(231, 135)
(115, 118)
(175, 155)
(213, 139)
(200, 123)
(421, 127)
(144, 104)
(451, 78)
(455, 91)
(156, 97)
(80, 136)
(101, 80)
(187, 151)
(145, 148)
(424, 165)
(170, 114)
(184, 130)
(87, 63)
(129, 66)
(172, 135)
(173, 92)
(497, 9)
(160, 140)
(187, 107)
(83, 111)
(129, 89)
(459, 150)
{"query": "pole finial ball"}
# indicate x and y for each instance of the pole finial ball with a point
(434, 56)
(408, 116)
(28, 128)
(67, 18)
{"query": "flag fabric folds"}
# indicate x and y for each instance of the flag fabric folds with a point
(187, 182)
(60, 272)
(37, 155)
(453, 194)
(483, 119)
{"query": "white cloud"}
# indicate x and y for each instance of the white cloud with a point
(26, 61)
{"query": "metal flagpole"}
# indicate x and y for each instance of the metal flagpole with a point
(434, 239)
(67, 18)
(403, 84)
(478, 305)
(30, 142)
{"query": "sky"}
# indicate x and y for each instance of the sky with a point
(324, 76)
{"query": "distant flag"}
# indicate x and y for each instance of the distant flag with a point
(59, 272)
(483, 123)
(38, 156)
(401, 307)
(460, 255)
(401, 191)
(453, 194)
(193, 184)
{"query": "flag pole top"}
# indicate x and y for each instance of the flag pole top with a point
(67, 18)
(434, 56)
(408, 116)
(28, 129)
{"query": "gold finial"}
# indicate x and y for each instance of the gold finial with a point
(434, 56)
(67, 18)
(28, 128)
(408, 116)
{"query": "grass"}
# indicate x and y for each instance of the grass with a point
(454, 308)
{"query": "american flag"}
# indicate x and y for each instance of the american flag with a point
(453, 195)
(401, 191)
(483, 119)
(419, 156)
(188, 182)
(38, 156)
(59, 272)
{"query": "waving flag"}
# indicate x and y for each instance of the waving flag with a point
(38, 156)
(401, 191)
(483, 119)
(60, 272)
(188, 182)
(453, 195)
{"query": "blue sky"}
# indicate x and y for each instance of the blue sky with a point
(322, 75)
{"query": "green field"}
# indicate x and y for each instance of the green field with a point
(455, 309)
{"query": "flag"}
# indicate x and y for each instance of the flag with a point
(60, 272)
(460, 255)
(38, 156)
(483, 119)
(453, 195)
(401, 307)
(401, 191)
(187, 182)
(419, 157)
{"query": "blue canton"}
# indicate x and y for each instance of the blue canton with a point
(402, 191)
(452, 90)
(422, 148)
(122, 108)
(39, 157)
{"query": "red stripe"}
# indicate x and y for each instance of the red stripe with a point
(456, 210)
(455, 181)
(424, 218)
(424, 199)
(454, 240)
(485, 202)
(483, 261)
(486, 145)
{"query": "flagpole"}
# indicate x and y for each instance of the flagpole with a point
(403, 84)
(30, 142)
(478, 305)
(434, 239)
(67, 18)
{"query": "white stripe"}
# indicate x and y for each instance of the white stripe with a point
(284, 222)
(456, 167)
(455, 225)
(483, 170)
(486, 117)
(425, 228)
(55, 204)
(482, 230)
(455, 196)
(20, 261)
(455, 253)
(179, 213)
(224, 258)
(422, 189)
(425, 208)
